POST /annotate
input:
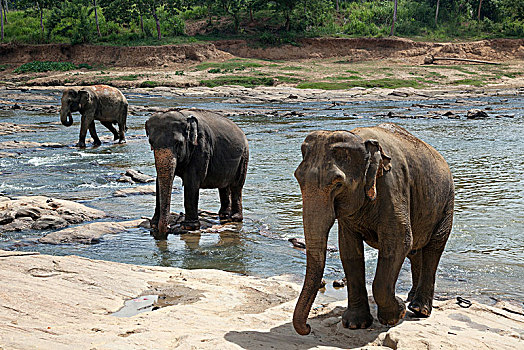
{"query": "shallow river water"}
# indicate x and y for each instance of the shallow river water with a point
(484, 256)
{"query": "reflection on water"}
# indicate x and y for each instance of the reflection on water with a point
(483, 257)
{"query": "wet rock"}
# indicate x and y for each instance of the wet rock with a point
(140, 190)
(11, 128)
(451, 115)
(125, 178)
(20, 224)
(32, 212)
(298, 242)
(340, 283)
(323, 283)
(301, 244)
(47, 222)
(6, 218)
(137, 176)
(39, 212)
(476, 114)
(89, 233)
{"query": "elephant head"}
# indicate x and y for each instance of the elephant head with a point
(337, 176)
(172, 137)
(72, 101)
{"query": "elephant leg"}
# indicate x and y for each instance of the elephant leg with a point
(84, 125)
(92, 131)
(191, 194)
(225, 203)
(121, 131)
(392, 253)
(351, 247)
(415, 259)
(422, 301)
(111, 128)
(236, 203)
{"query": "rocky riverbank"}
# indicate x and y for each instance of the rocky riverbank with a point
(67, 302)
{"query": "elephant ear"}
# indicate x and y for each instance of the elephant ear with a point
(378, 162)
(84, 98)
(192, 130)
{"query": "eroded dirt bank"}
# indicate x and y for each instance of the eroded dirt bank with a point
(356, 48)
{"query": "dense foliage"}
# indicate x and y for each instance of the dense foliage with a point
(133, 22)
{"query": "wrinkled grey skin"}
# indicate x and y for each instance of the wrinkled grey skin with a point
(99, 102)
(387, 188)
(206, 150)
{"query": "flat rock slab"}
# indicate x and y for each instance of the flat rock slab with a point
(68, 302)
(40, 213)
(89, 233)
(29, 144)
(139, 190)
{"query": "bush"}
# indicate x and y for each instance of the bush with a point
(38, 66)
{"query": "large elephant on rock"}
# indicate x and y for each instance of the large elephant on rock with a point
(206, 150)
(387, 188)
(99, 102)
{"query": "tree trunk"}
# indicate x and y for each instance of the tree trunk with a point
(155, 16)
(141, 23)
(394, 20)
(6, 10)
(251, 13)
(478, 13)
(337, 6)
(41, 18)
(96, 19)
(2, 22)
(436, 12)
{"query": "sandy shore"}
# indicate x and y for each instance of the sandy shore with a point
(51, 302)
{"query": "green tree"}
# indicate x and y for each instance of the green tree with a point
(233, 9)
(286, 7)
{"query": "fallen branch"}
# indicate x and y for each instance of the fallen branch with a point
(431, 59)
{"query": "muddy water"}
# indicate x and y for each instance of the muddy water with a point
(484, 256)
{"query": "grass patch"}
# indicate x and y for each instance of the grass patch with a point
(149, 84)
(230, 65)
(380, 83)
(435, 75)
(343, 77)
(474, 82)
(46, 66)
(461, 69)
(129, 77)
(292, 68)
(290, 80)
(242, 81)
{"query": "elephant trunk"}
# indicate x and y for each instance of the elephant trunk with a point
(318, 217)
(165, 164)
(65, 116)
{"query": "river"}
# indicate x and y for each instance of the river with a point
(484, 256)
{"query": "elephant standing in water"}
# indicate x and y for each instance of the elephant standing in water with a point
(206, 150)
(389, 189)
(99, 102)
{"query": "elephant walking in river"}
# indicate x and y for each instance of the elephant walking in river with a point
(387, 188)
(206, 150)
(99, 102)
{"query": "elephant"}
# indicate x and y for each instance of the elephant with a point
(388, 188)
(206, 150)
(99, 102)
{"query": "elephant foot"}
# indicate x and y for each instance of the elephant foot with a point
(97, 143)
(357, 318)
(81, 144)
(420, 306)
(224, 215)
(392, 316)
(411, 295)
(122, 141)
(237, 217)
(190, 225)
